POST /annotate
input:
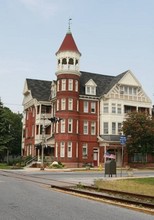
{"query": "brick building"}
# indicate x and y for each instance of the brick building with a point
(91, 108)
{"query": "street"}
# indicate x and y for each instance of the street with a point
(24, 200)
(86, 177)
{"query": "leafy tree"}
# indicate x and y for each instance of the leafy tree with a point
(10, 132)
(5, 136)
(139, 130)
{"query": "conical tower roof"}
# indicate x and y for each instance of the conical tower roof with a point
(68, 44)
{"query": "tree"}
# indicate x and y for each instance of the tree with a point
(5, 136)
(139, 130)
(10, 132)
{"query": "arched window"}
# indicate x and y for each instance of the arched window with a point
(71, 61)
(64, 61)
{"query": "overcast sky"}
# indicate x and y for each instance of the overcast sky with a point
(112, 35)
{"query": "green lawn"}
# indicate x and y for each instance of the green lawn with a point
(4, 166)
(134, 185)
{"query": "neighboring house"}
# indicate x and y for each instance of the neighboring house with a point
(91, 107)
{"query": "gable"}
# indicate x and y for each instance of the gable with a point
(91, 83)
(26, 90)
(129, 79)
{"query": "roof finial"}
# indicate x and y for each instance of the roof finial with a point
(69, 25)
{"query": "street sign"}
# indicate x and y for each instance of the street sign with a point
(122, 139)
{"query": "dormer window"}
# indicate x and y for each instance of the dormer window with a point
(90, 87)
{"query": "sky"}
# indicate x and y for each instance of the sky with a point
(112, 35)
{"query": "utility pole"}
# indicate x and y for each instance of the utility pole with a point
(43, 143)
(123, 142)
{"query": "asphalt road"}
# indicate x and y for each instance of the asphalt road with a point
(23, 200)
(87, 177)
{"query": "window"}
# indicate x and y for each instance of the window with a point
(63, 126)
(64, 61)
(134, 91)
(85, 127)
(93, 107)
(70, 125)
(77, 107)
(63, 84)
(55, 127)
(119, 128)
(106, 128)
(70, 104)
(113, 128)
(62, 149)
(57, 104)
(71, 61)
(76, 85)
(30, 149)
(128, 90)
(119, 108)
(90, 90)
(85, 106)
(33, 130)
(70, 84)
(93, 128)
(106, 108)
(69, 149)
(56, 150)
(84, 151)
(63, 104)
(77, 126)
(77, 150)
(113, 108)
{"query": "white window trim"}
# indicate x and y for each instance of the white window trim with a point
(85, 127)
(69, 152)
(62, 149)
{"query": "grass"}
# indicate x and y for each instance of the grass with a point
(143, 186)
(4, 166)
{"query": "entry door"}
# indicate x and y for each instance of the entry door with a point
(95, 158)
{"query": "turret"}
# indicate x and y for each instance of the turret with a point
(68, 56)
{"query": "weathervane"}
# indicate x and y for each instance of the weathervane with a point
(69, 24)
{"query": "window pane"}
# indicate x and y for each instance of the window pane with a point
(113, 108)
(84, 151)
(62, 149)
(70, 84)
(70, 121)
(105, 127)
(93, 107)
(85, 106)
(93, 128)
(113, 128)
(106, 108)
(70, 104)
(63, 84)
(85, 127)
(69, 149)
